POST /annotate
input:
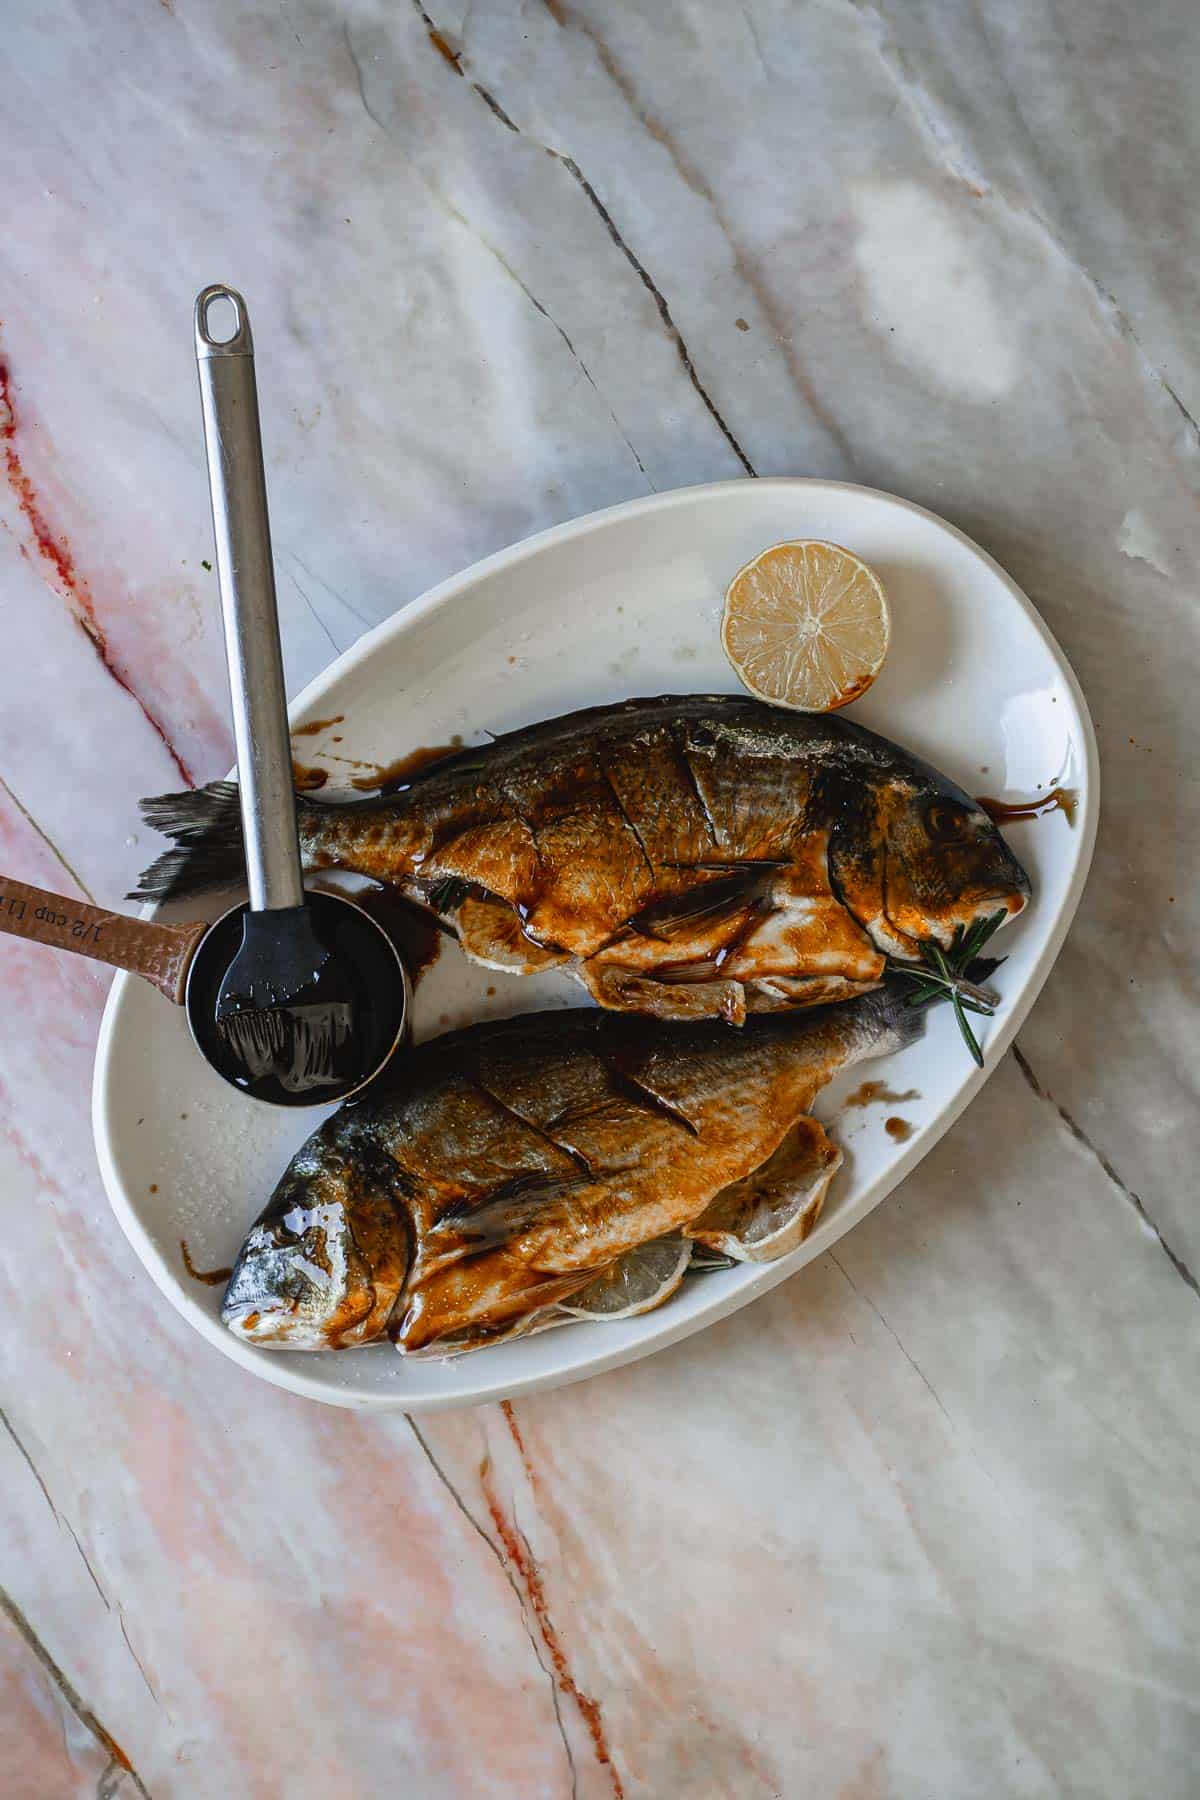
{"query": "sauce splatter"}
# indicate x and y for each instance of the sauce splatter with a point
(316, 726)
(390, 778)
(525, 1569)
(1055, 799)
(873, 1093)
(308, 780)
(416, 934)
(900, 1129)
(210, 1277)
(55, 552)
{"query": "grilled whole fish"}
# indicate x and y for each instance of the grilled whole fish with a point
(688, 857)
(513, 1163)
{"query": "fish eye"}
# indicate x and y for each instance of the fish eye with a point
(291, 1228)
(946, 822)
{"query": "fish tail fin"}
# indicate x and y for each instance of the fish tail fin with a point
(886, 1020)
(205, 826)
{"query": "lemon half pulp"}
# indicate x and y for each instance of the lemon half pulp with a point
(806, 625)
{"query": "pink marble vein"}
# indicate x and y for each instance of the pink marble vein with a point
(133, 638)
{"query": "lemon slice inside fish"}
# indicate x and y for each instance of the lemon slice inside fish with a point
(773, 1210)
(806, 625)
(637, 1282)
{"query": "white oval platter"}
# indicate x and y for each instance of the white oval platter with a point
(623, 602)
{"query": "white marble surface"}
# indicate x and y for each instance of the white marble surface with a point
(922, 1522)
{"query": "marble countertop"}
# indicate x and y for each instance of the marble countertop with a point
(923, 1521)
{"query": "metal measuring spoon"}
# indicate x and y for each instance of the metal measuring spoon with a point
(188, 962)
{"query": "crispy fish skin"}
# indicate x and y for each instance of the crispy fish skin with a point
(513, 1162)
(686, 856)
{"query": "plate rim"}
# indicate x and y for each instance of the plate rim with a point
(483, 1391)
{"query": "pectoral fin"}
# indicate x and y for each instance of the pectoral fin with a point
(727, 897)
(517, 1206)
(624, 990)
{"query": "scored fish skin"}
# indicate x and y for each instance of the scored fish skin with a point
(510, 1163)
(685, 856)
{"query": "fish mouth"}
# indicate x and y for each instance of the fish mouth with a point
(251, 1319)
(1013, 899)
(270, 1320)
(905, 947)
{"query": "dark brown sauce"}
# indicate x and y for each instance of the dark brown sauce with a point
(878, 1093)
(416, 934)
(316, 726)
(353, 762)
(374, 989)
(210, 1277)
(900, 1129)
(389, 778)
(307, 780)
(1055, 799)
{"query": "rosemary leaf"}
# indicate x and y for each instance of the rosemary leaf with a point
(953, 975)
(969, 1038)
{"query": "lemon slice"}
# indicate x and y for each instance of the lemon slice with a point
(806, 625)
(637, 1282)
(766, 1214)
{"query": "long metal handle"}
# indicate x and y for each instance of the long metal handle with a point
(246, 576)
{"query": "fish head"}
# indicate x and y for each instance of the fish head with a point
(916, 860)
(323, 1265)
(946, 865)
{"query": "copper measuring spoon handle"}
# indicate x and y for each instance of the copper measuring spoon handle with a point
(160, 953)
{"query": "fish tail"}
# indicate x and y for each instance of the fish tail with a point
(205, 826)
(877, 1023)
(888, 1015)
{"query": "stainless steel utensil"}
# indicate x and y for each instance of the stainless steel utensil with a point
(292, 1011)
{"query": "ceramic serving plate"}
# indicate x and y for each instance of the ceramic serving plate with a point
(625, 602)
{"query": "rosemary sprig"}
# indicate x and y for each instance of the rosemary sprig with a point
(945, 975)
(969, 1038)
(704, 1261)
(446, 895)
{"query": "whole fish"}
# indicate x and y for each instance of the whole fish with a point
(513, 1164)
(688, 856)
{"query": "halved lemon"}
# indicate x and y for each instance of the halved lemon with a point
(770, 1212)
(806, 625)
(635, 1283)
